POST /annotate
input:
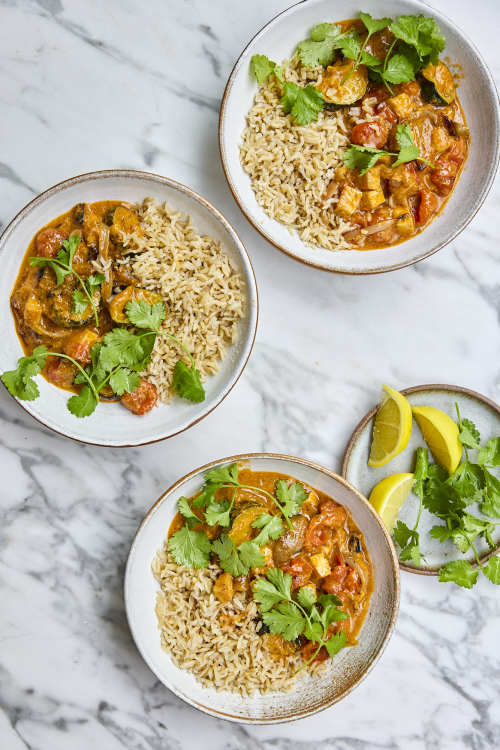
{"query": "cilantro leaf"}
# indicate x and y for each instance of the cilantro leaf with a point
(261, 68)
(373, 25)
(320, 48)
(227, 474)
(335, 643)
(94, 282)
(290, 496)
(421, 472)
(218, 513)
(350, 44)
(19, 382)
(303, 104)
(422, 33)
(399, 69)
(469, 434)
(271, 527)
(80, 302)
(190, 548)
(143, 315)
(121, 347)
(59, 271)
(186, 382)
(229, 561)
(442, 533)
(306, 597)
(467, 481)
(491, 503)
(490, 454)
(281, 581)
(402, 534)
(267, 593)
(408, 151)
(362, 158)
(460, 572)
(70, 246)
(250, 555)
(185, 509)
(83, 403)
(124, 381)
(492, 569)
(286, 619)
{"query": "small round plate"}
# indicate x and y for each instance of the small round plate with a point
(483, 412)
(111, 424)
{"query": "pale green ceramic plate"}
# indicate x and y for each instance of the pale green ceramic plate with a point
(483, 412)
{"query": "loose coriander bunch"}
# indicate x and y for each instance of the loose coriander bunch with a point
(449, 499)
(116, 361)
(192, 547)
(306, 615)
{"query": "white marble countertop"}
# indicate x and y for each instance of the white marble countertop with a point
(90, 85)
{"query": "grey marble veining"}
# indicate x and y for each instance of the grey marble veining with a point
(90, 85)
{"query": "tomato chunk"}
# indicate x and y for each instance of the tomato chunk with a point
(60, 372)
(308, 650)
(334, 583)
(49, 241)
(332, 515)
(300, 569)
(142, 399)
(444, 173)
(317, 533)
(427, 205)
(374, 133)
(79, 344)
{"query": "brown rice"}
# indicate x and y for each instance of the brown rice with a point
(290, 166)
(202, 292)
(219, 643)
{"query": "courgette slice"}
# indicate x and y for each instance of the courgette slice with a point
(342, 86)
(437, 84)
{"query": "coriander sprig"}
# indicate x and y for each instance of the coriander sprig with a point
(62, 265)
(364, 158)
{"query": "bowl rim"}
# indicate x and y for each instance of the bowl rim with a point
(175, 185)
(363, 423)
(395, 576)
(370, 271)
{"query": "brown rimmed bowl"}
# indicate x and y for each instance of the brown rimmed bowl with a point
(111, 424)
(479, 98)
(312, 694)
(484, 412)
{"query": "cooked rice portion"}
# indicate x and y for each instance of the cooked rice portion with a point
(218, 643)
(290, 167)
(202, 292)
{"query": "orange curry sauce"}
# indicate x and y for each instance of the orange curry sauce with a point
(325, 549)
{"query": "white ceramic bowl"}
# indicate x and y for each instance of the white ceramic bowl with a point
(478, 96)
(311, 694)
(111, 424)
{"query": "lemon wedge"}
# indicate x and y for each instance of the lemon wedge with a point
(389, 495)
(440, 433)
(392, 427)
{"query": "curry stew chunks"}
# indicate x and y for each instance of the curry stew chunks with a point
(388, 205)
(324, 550)
(45, 311)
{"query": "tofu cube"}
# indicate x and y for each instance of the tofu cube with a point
(341, 173)
(372, 198)
(349, 200)
(405, 223)
(320, 565)
(402, 105)
(310, 505)
(370, 180)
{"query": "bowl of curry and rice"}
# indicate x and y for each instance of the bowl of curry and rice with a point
(129, 307)
(359, 145)
(261, 588)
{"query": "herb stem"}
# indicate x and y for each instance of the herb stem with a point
(80, 368)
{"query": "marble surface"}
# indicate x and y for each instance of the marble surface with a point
(89, 85)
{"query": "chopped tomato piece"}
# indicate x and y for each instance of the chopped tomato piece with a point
(317, 533)
(60, 372)
(427, 205)
(352, 581)
(456, 152)
(300, 569)
(373, 134)
(49, 241)
(334, 583)
(308, 650)
(444, 173)
(386, 113)
(142, 399)
(79, 344)
(332, 515)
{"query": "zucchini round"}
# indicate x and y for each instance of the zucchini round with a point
(437, 84)
(339, 92)
(59, 307)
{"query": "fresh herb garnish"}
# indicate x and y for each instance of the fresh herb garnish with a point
(190, 548)
(62, 265)
(307, 615)
(364, 158)
(409, 539)
(115, 361)
(261, 68)
(303, 104)
(320, 48)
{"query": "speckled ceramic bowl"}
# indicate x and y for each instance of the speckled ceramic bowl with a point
(486, 416)
(111, 424)
(478, 96)
(310, 694)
